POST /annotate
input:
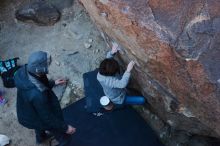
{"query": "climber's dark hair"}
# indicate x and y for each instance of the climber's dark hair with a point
(109, 67)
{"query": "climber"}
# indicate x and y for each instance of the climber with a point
(114, 84)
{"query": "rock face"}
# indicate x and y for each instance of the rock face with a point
(41, 13)
(176, 45)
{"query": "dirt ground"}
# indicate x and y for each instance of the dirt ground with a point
(65, 41)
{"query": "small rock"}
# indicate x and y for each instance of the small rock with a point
(57, 63)
(90, 40)
(103, 14)
(74, 53)
(87, 45)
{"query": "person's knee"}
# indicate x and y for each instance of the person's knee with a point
(141, 100)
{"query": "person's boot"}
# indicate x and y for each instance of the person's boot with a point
(65, 140)
(42, 136)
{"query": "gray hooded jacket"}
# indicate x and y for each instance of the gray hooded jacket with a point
(114, 86)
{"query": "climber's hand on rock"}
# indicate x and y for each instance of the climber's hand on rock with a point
(130, 66)
(115, 48)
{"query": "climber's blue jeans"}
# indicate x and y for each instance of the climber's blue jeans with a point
(134, 100)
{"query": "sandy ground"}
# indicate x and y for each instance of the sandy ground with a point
(64, 41)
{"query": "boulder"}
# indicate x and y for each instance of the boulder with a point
(176, 47)
(41, 13)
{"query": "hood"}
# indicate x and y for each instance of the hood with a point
(38, 63)
(21, 79)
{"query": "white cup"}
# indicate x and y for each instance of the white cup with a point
(106, 103)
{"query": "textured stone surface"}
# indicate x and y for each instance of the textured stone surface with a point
(177, 49)
(41, 13)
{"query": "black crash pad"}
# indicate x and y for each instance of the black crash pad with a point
(93, 91)
(117, 128)
(123, 127)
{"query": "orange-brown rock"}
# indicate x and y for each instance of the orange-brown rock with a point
(176, 44)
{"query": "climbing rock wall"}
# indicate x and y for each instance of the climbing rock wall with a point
(176, 46)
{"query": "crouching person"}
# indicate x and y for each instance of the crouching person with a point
(114, 84)
(37, 106)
